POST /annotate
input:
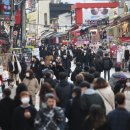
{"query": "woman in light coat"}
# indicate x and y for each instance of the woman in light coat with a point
(105, 91)
(32, 84)
(126, 91)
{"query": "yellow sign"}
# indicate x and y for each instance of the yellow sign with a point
(31, 16)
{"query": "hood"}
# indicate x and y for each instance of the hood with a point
(90, 91)
(119, 76)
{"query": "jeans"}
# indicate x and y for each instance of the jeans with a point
(107, 72)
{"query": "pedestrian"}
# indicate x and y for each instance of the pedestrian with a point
(100, 51)
(66, 64)
(35, 67)
(32, 84)
(98, 63)
(119, 119)
(77, 70)
(126, 91)
(45, 89)
(17, 100)
(105, 91)
(88, 98)
(24, 68)
(79, 79)
(25, 114)
(49, 78)
(96, 119)
(107, 65)
(73, 111)
(6, 110)
(50, 117)
(64, 90)
(118, 75)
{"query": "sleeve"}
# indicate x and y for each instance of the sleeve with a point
(15, 120)
(37, 86)
(33, 116)
(38, 119)
(59, 115)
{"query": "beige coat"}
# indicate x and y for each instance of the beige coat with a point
(33, 87)
(108, 98)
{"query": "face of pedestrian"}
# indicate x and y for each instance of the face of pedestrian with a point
(51, 102)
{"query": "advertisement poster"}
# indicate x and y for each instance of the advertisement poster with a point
(95, 14)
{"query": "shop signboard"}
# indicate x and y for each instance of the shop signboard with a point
(31, 16)
(36, 52)
(95, 15)
(27, 53)
(4, 17)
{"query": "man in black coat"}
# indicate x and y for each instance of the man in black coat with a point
(77, 70)
(6, 110)
(107, 65)
(64, 90)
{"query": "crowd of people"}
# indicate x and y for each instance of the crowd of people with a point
(69, 100)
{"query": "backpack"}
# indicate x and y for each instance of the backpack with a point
(107, 64)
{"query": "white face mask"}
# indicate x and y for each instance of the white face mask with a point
(128, 84)
(54, 63)
(42, 63)
(27, 75)
(65, 56)
(25, 100)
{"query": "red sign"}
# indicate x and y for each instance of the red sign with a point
(124, 39)
(18, 17)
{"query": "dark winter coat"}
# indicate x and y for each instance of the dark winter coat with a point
(88, 126)
(24, 68)
(64, 92)
(73, 113)
(98, 63)
(49, 119)
(75, 72)
(35, 68)
(6, 113)
(107, 63)
(19, 120)
(89, 98)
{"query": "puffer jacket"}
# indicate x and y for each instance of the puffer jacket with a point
(49, 119)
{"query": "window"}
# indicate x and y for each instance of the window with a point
(45, 18)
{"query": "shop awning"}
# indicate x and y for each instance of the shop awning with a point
(45, 35)
(59, 34)
(124, 39)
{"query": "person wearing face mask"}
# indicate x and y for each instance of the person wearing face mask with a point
(126, 91)
(51, 116)
(32, 84)
(25, 114)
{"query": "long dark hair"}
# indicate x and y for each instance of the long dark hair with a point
(45, 88)
(96, 116)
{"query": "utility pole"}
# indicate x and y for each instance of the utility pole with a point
(23, 21)
(12, 22)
